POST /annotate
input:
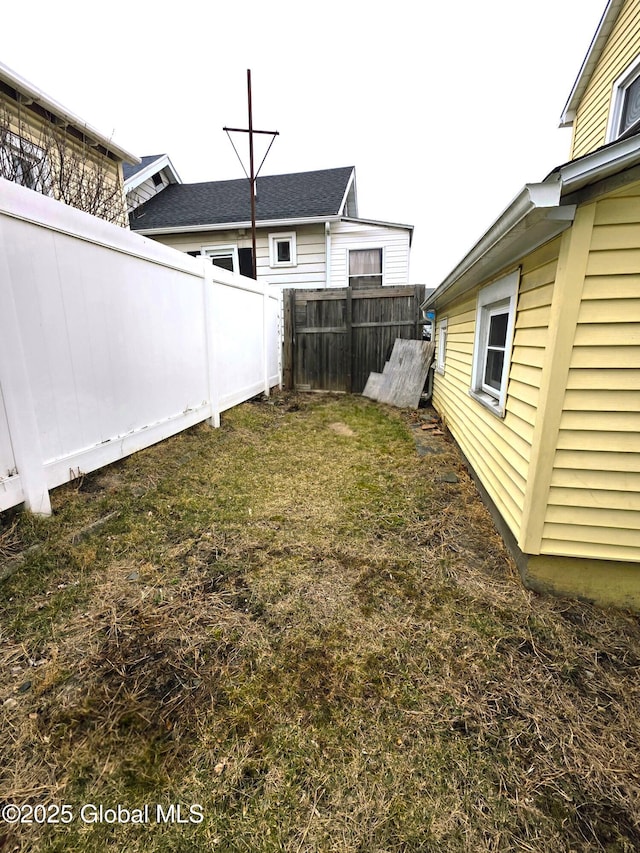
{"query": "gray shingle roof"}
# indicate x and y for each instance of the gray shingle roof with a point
(295, 196)
(129, 171)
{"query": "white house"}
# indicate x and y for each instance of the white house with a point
(147, 178)
(309, 233)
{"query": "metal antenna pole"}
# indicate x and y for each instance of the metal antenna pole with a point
(252, 179)
(252, 176)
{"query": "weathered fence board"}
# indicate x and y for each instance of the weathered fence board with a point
(334, 338)
(404, 375)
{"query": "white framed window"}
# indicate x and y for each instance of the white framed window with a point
(624, 111)
(442, 345)
(225, 257)
(282, 250)
(24, 163)
(495, 322)
(365, 268)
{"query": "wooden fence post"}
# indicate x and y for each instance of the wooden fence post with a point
(349, 345)
(18, 399)
(288, 297)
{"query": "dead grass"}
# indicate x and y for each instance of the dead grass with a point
(296, 623)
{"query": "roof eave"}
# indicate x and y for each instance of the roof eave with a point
(144, 174)
(533, 218)
(599, 164)
(230, 226)
(46, 102)
(607, 22)
(153, 168)
(379, 222)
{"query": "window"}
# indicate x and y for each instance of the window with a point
(442, 345)
(282, 250)
(624, 112)
(365, 268)
(23, 162)
(225, 257)
(158, 180)
(495, 321)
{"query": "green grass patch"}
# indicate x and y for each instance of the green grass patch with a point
(291, 622)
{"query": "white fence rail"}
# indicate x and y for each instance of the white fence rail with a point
(110, 342)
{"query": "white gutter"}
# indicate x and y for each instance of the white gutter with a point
(534, 217)
(36, 95)
(605, 161)
(377, 222)
(228, 226)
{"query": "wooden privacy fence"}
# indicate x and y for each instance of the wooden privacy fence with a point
(334, 338)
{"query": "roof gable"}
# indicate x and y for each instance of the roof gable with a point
(298, 195)
(590, 62)
(148, 166)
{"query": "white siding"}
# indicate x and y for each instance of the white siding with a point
(309, 270)
(393, 241)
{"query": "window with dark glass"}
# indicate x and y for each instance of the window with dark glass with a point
(496, 345)
(283, 251)
(223, 261)
(630, 113)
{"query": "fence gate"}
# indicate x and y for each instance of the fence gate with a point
(333, 338)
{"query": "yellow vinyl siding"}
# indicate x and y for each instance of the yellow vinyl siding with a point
(59, 145)
(499, 449)
(594, 502)
(623, 46)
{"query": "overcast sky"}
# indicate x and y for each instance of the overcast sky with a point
(445, 109)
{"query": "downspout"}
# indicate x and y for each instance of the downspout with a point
(327, 253)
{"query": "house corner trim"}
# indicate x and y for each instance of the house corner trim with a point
(565, 307)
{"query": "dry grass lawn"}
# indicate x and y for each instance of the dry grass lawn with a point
(315, 634)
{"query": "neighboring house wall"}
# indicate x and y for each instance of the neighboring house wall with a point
(499, 449)
(59, 163)
(590, 124)
(308, 269)
(394, 242)
(310, 251)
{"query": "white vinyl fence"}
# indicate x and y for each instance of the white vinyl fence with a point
(110, 342)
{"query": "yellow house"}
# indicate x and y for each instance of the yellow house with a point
(538, 344)
(47, 148)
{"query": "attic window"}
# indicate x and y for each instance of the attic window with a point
(624, 113)
(282, 250)
(157, 180)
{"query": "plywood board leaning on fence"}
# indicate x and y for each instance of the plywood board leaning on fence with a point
(403, 378)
